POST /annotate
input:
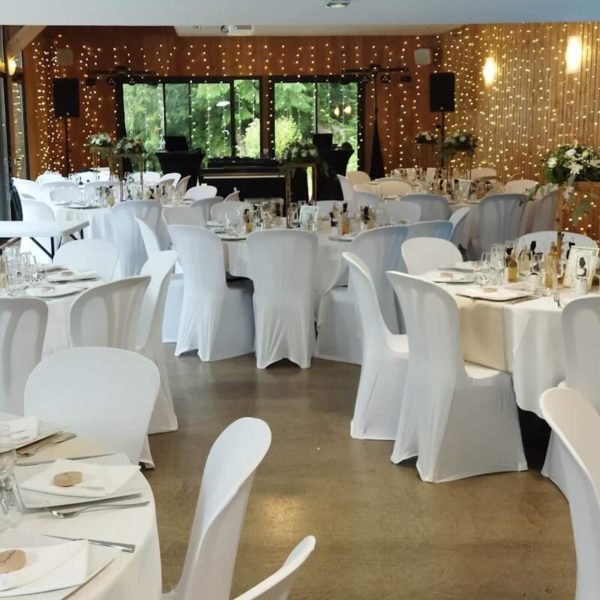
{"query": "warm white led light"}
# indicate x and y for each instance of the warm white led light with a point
(489, 71)
(574, 54)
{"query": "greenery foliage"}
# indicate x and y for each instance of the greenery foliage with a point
(570, 163)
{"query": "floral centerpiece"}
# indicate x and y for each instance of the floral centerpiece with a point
(459, 141)
(570, 163)
(128, 146)
(425, 137)
(100, 140)
(298, 152)
(101, 146)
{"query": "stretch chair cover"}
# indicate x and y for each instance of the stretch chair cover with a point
(216, 315)
(22, 330)
(459, 419)
(427, 254)
(38, 210)
(282, 268)
(127, 236)
(83, 255)
(279, 585)
(149, 237)
(544, 239)
(384, 363)
(460, 229)
(104, 393)
(433, 207)
(200, 191)
(500, 219)
(220, 511)
(519, 186)
(204, 206)
(575, 425)
(357, 177)
(149, 335)
(545, 212)
(581, 330)
(347, 192)
(183, 215)
(401, 211)
(228, 209)
(393, 187)
(430, 229)
(363, 199)
(339, 337)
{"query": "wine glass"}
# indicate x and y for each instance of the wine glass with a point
(10, 506)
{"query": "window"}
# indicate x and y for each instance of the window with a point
(222, 118)
(303, 108)
(19, 139)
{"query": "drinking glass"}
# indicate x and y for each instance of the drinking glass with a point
(10, 506)
(29, 269)
(497, 263)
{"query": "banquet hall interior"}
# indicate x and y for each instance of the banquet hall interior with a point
(300, 299)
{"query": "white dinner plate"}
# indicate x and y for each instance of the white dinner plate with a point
(443, 276)
(52, 291)
(50, 267)
(68, 275)
(494, 294)
(37, 500)
(229, 237)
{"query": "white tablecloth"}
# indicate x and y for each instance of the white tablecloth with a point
(99, 218)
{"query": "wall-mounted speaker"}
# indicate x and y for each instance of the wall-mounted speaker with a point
(423, 56)
(441, 92)
(66, 97)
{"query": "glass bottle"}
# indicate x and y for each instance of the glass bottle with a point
(523, 262)
(345, 221)
(512, 269)
(248, 224)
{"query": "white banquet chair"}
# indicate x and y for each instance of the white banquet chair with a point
(66, 195)
(384, 362)
(544, 239)
(204, 206)
(282, 264)
(401, 211)
(575, 425)
(544, 215)
(347, 191)
(519, 186)
(216, 314)
(338, 336)
(357, 177)
(22, 331)
(460, 228)
(233, 196)
(149, 237)
(393, 187)
(182, 185)
(149, 334)
(32, 189)
(183, 215)
(198, 192)
(362, 199)
(460, 419)
(499, 218)
(423, 254)
(105, 393)
(433, 207)
(89, 255)
(126, 233)
(150, 177)
(106, 315)
(170, 179)
(279, 585)
(48, 177)
(37, 210)
(224, 491)
(230, 210)
(430, 229)
(60, 184)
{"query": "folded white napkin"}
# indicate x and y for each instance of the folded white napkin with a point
(48, 568)
(22, 429)
(98, 480)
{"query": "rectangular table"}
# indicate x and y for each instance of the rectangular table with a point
(42, 229)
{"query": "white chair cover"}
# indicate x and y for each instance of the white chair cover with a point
(339, 337)
(581, 341)
(62, 184)
(172, 178)
(204, 205)
(183, 215)
(519, 186)
(282, 267)
(233, 197)
(357, 177)
(82, 255)
(63, 195)
(347, 191)
(149, 237)
(424, 254)
(182, 185)
(431, 229)
(499, 218)
(150, 177)
(575, 427)
(149, 335)
(22, 330)
(545, 212)
(544, 239)
(231, 210)
(279, 585)
(38, 210)
(433, 207)
(393, 187)
(460, 230)
(107, 315)
(104, 393)
(127, 237)
(384, 362)
(220, 511)
(401, 211)
(460, 420)
(31, 188)
(49, 176)
(367, 199)
(216, 315)
(198, 192)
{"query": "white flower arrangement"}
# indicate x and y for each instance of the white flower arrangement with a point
(459, 141)
(570, 163)
(100, 140)
(130, 146)
(299, 152)
(426, 137)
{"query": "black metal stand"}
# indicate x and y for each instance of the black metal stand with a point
(442, 128)
(67, 159)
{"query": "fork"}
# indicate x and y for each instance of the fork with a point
(70, 513)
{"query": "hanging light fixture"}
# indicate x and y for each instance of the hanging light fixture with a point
(574, 54)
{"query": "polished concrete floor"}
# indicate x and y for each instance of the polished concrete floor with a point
(381, 533)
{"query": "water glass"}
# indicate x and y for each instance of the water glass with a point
(29, 269)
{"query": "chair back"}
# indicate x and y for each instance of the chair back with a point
(367, 199)
(380, 251)
(433, 207)
(576, 423)
(431, 229)
(460, 231)
(48, 177)
(183, 215)
(519, 186)
(347, 191)
(231, 210)
(393, 187)
(172, 178)
(149, 323)
(149, 237)
(545, 212)
(127, 236)
(409, 212)
(204, 206)
(22, 331)
(499, 218)
(198, 192)
(31, 188)
(36, 210)
(424, 254)
(544, 239)
(107, 315)
(233, 197)
(150, 177)
(279, 585)
(66, 195)
(182, 185)
(357, 177)
(221, 508)
(60, 184)
(84, 255)
(104, 393)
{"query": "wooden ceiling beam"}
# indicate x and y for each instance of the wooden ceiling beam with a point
(22, 38)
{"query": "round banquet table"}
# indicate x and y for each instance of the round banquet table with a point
(99, 219)
(130, 575)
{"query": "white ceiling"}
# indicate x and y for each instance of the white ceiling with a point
(292, 12)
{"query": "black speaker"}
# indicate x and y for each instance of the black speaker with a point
(66, 97)
(441, 92)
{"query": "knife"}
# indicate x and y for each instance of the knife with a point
(121, 546)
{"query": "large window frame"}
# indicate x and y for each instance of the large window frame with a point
(360, 134)
(190, 81)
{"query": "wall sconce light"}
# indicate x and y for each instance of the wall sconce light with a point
(489, 71)
(12, 65)
(574, 54)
